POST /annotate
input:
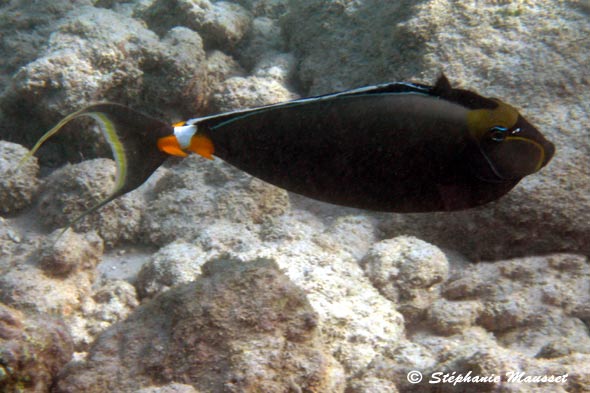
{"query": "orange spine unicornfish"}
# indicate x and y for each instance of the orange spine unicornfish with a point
(397, 147)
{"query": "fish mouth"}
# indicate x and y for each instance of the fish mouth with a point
(549, 149)
(531, 148)
(532, 135)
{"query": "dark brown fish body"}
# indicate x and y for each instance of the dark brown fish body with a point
(397, 152)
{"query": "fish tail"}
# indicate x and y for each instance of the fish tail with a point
(46, 136)
(133, 139)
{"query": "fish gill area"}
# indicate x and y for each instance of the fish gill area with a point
(206, 279)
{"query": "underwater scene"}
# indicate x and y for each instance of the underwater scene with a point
(321, 196)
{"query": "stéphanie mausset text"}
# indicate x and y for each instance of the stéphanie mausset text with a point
(455, 378)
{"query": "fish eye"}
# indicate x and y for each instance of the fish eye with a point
(498, 133)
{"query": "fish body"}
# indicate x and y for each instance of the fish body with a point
(398, 147)
(386, 152)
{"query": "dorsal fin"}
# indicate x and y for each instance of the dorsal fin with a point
(442, 87)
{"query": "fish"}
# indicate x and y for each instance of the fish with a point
(393, 147)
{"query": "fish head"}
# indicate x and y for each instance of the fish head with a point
(508, 147)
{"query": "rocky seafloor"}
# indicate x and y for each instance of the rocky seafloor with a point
(208, 280)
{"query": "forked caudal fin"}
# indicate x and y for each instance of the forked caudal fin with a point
(133, 139)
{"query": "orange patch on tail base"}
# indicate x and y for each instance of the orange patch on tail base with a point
(203, 146)
(169, 144)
